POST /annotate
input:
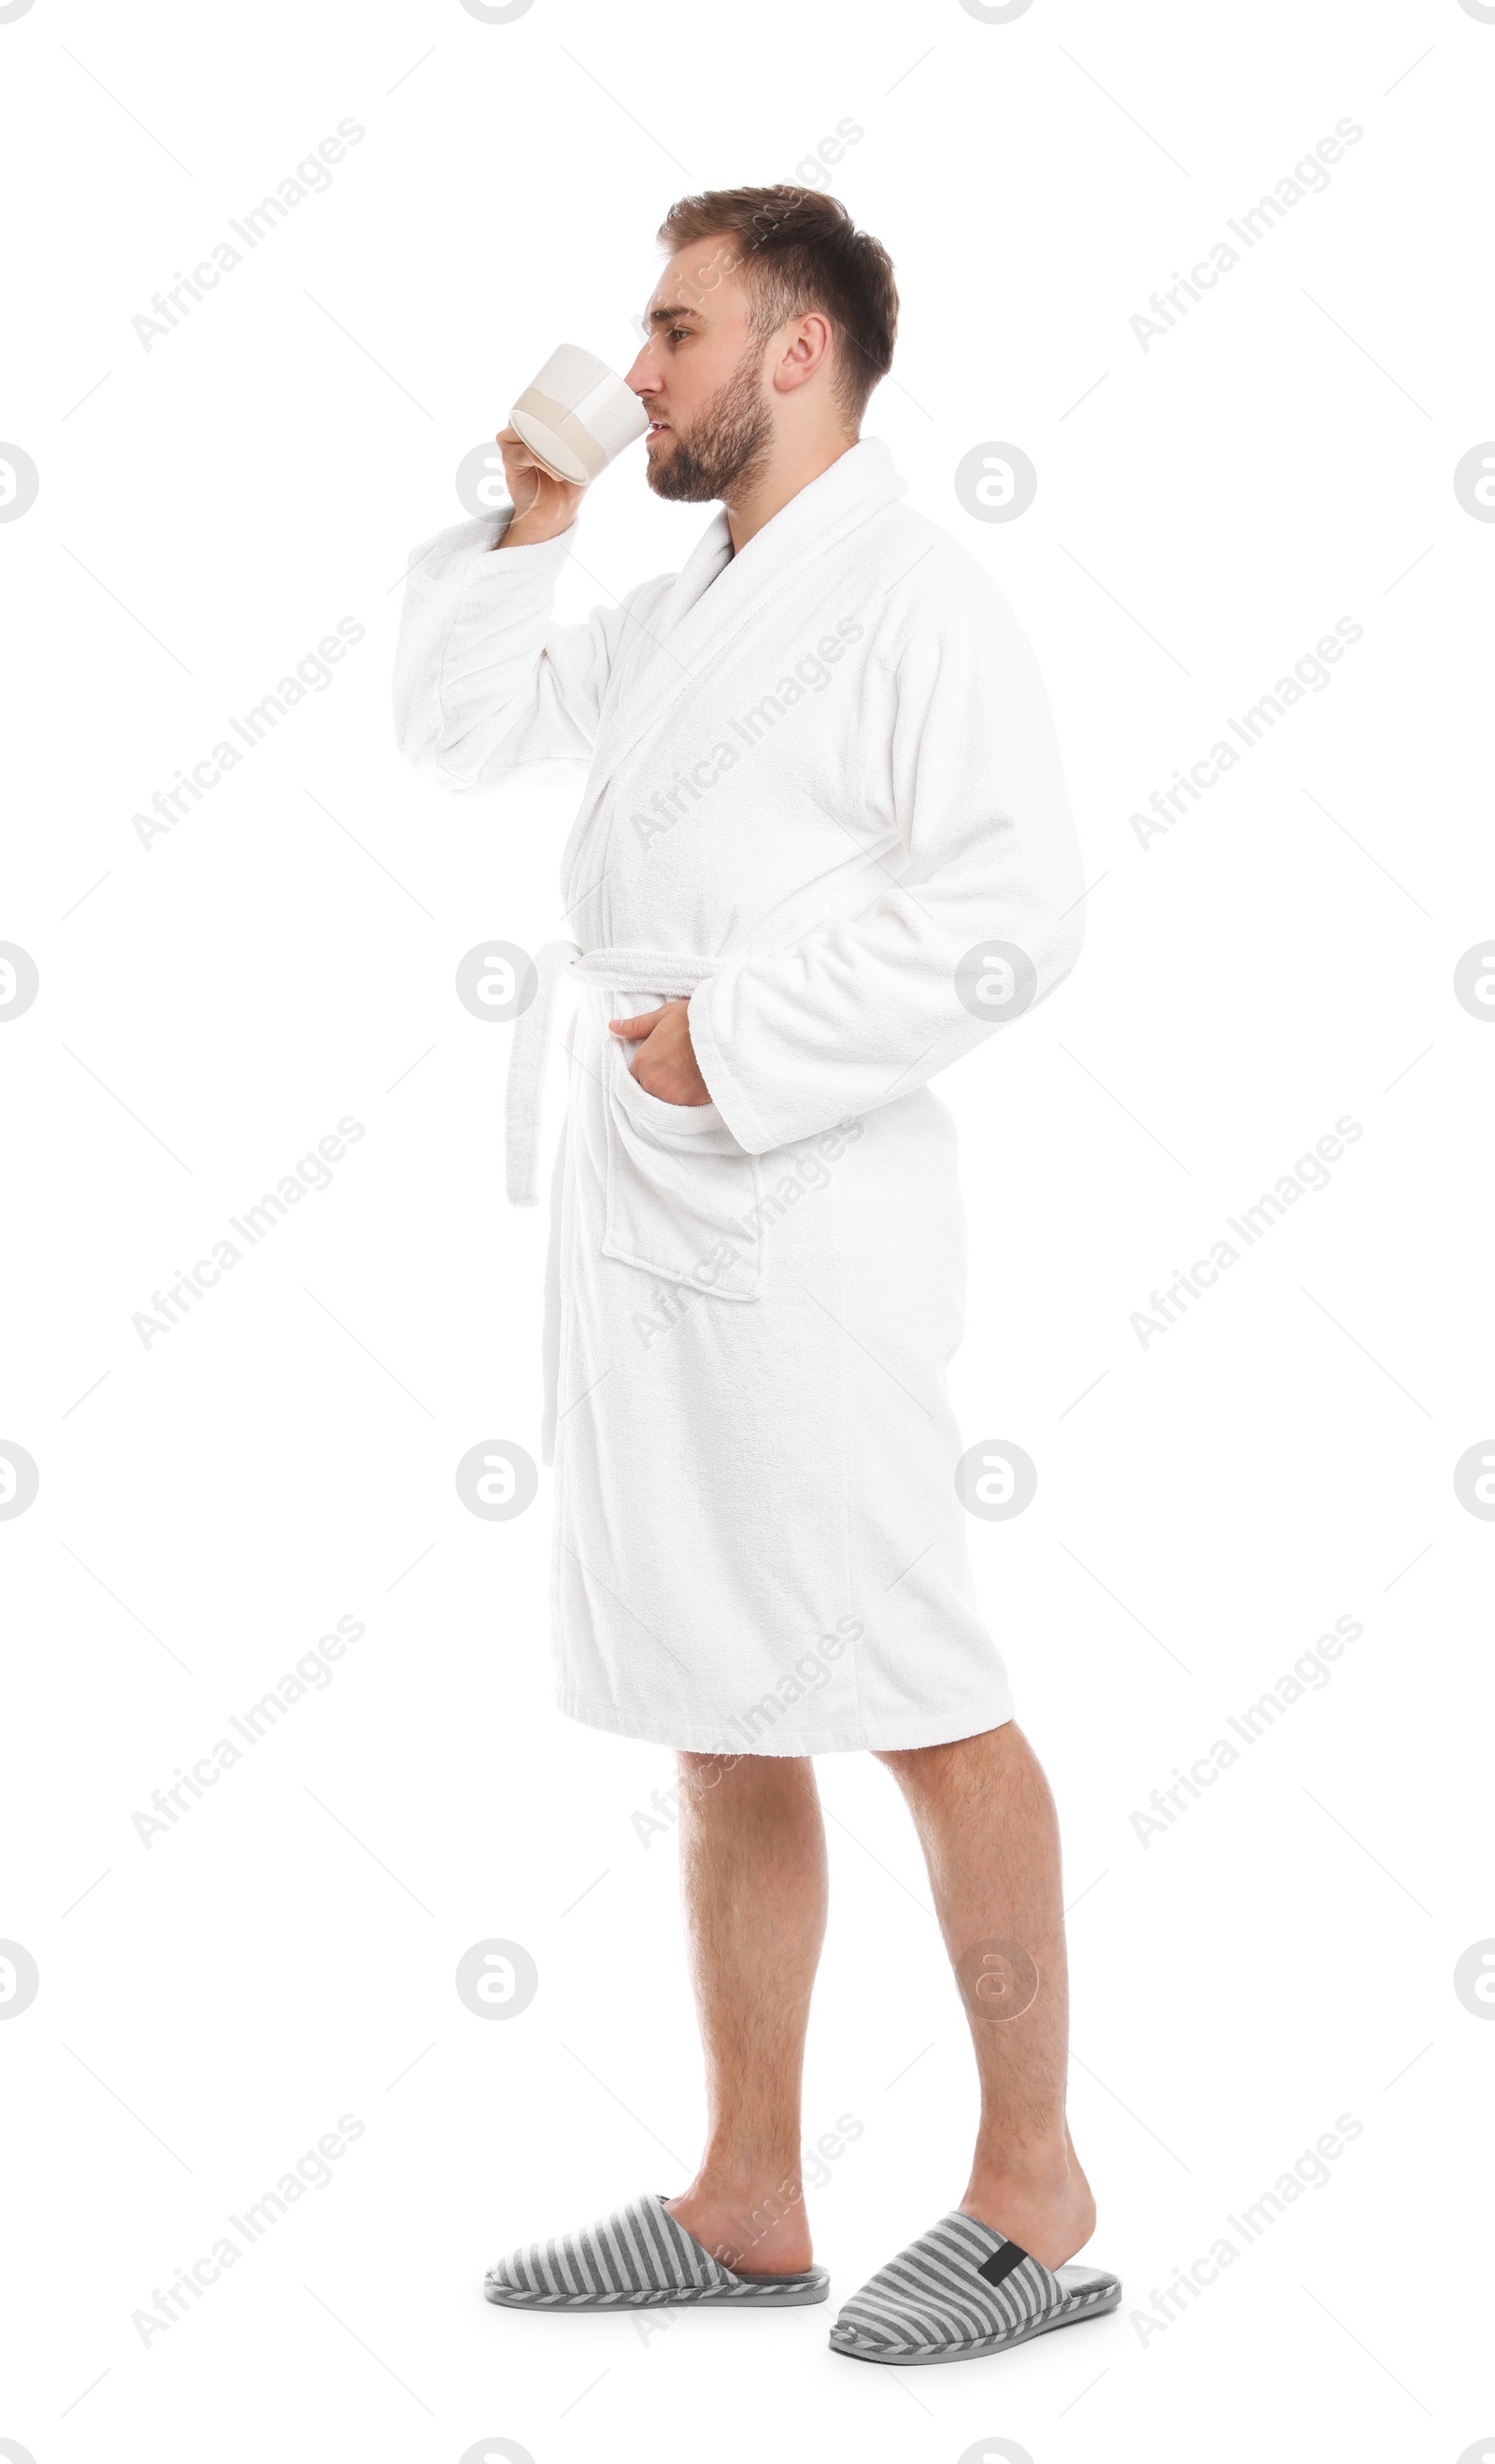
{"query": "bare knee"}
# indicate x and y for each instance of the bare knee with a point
(705, 1778)
(965, 1763)
(904, 1762)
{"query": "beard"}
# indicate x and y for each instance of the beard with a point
(726, 445)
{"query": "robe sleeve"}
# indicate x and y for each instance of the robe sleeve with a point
(967, 808)
(483, 679)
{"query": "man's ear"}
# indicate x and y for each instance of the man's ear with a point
(805, 351)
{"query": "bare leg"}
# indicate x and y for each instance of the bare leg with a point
(752, 1867)
(986, 1823)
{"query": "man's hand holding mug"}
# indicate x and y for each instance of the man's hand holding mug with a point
(565, 428)
(544, 507)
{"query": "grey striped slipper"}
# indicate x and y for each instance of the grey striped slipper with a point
(638, 2260)
(962, 2290)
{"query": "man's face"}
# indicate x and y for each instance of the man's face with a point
(699, 376)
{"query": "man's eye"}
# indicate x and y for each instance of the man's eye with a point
(676, 334)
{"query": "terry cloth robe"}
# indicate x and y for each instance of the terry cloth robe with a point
(823, 774)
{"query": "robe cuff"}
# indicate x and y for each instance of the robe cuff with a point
(556, 550)
(469, 554)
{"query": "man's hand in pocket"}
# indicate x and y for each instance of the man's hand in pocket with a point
(665, 1063)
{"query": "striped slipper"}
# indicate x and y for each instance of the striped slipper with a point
(638, 2260)
(962, 2290)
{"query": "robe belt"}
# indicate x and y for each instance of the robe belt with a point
(673, 975)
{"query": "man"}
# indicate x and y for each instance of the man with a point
(824, 842)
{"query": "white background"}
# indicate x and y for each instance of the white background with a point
(1207, 1506)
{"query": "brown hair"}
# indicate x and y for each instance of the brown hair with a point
(797, 250)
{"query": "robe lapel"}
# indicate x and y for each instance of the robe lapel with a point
(711, 602)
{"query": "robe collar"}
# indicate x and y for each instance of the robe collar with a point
(716, 592)
(712, 601)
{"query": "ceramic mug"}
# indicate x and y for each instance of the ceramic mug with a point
(576, 416)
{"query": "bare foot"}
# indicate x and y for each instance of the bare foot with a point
(753, 2230)
(1047, 2208)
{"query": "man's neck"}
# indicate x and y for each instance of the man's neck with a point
(789, 471)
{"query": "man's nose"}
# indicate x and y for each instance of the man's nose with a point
(643, 378)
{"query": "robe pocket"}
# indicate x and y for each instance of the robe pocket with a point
(682, 1195)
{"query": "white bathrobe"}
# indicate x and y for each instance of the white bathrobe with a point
(823, 773)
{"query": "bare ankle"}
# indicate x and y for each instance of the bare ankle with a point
(753, 2222)
(1038, 2198)
(1039, 2167)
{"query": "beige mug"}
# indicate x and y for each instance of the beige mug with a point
(576, 416)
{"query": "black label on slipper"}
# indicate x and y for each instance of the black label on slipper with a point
(1001, 2262)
